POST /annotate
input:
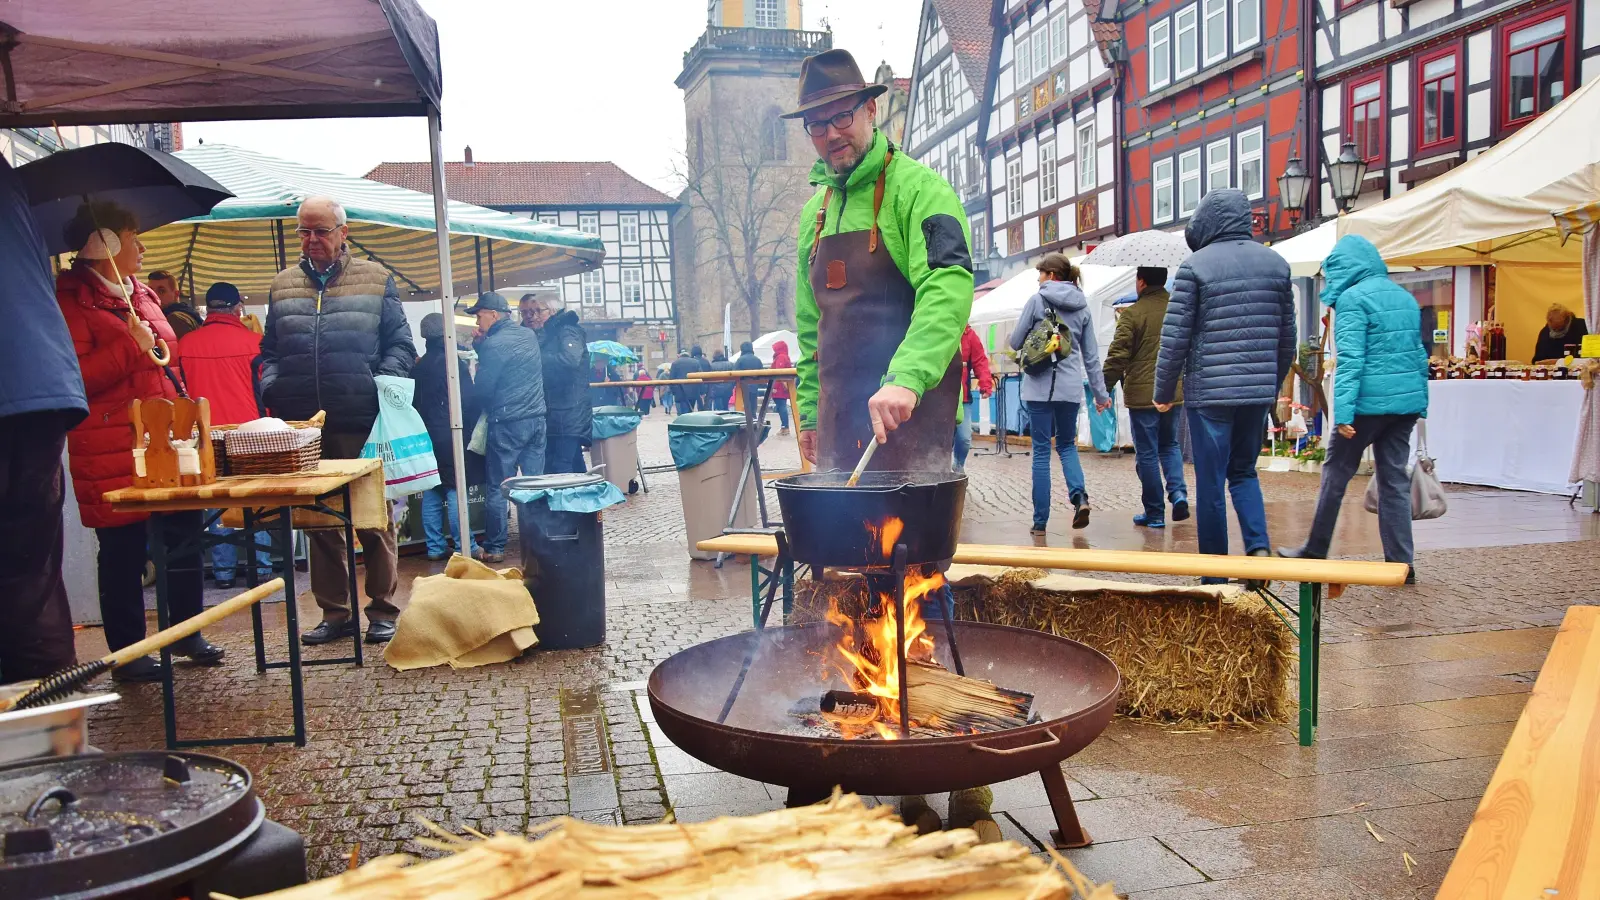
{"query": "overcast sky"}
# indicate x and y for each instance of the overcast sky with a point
(547, 80)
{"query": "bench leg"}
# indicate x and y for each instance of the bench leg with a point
(1310, 660)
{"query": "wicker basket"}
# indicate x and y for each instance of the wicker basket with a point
(287, 460)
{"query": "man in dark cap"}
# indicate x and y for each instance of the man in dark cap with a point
(220, 366)
(510, 391)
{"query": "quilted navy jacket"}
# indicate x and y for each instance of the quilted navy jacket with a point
(1229, 330)
(1381, 366)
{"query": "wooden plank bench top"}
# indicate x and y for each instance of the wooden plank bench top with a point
(743, 374)
(1537, 830)
(1265, 568)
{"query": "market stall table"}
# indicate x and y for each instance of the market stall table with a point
(1509, 434)
(339, 493)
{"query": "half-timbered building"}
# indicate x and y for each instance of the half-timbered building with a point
(1049, 130)
(630, 296)
(947, 87)
(1212, 96)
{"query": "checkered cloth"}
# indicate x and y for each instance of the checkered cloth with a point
(259, 442)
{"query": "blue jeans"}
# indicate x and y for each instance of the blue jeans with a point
(963, 439)
(438, 513)
(1390, 439)
(1227, 442)
(1057, 419)
(225, 557)
(782, 403)
(564, 454)
(517, 444)
(1156, 452)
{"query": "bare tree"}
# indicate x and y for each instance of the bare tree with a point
(745, 195)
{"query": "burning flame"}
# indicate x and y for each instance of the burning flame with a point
(865, 658)
(887, 535)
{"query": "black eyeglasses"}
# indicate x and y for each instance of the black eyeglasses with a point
(841, 121)
(319, 233)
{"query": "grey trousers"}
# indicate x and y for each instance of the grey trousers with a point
(1390, 439)
(330, 579)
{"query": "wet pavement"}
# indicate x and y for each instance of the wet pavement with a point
(1421, 687)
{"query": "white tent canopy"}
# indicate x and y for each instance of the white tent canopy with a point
(1305, 252)
(1498, 206)
(764, 344)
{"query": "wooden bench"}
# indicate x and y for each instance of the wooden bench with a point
(1536, 834)
(1312, 575)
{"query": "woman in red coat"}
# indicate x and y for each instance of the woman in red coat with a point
(113, 353)
(780, 388)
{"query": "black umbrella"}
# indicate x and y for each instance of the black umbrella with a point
(158, 188)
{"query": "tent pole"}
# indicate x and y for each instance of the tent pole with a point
(477, 259)
(447, 307)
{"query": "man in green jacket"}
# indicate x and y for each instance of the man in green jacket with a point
(1132, 360)
(885, 286)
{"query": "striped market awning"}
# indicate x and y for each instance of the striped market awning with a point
(1577, 219)
(250, 238)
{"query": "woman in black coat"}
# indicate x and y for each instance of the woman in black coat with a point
(432, 401)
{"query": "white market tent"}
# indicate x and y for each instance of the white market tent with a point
(1305, 252)
(763, 344)
(75, 62)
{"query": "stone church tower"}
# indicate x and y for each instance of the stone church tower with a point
(746, 170)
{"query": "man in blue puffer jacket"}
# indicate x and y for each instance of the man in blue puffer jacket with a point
(1229, 335)
(1380, 388)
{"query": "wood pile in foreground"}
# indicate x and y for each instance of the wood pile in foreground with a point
(837, 849)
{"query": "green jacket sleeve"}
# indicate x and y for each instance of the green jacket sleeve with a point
(806, 317)
(940, 272)
(1350, 358)
(1121, 351)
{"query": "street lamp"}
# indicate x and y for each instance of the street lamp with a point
(1293, 187)
(1345, 175)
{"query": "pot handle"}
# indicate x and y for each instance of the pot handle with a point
(1051, 741)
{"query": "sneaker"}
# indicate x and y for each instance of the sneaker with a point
(1297, 553)
(1080, 514)
(1255, 584)
(381, 631)
(1180, 510)
(225, 584)
(1145, 520)
(1037, 529)
(437, 557)
(143, 669)
(1411, 575)
(328, 632)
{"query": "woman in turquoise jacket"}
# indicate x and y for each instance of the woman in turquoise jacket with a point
(1380, 389)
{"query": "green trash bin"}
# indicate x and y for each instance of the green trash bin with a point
(614, 442)
(709, 454)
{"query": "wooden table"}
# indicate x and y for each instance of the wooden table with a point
(340, 493)
(1311, 574)
(1537, 830)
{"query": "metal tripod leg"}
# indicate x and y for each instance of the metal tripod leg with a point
(1068, 833)
(898, 571)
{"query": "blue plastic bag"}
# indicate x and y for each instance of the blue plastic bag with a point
(1102, 425)
(401, 440)
(585, 498)
(610, 426)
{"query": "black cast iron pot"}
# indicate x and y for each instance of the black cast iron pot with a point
(829, 524)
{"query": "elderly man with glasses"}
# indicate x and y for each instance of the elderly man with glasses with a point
(333, 323)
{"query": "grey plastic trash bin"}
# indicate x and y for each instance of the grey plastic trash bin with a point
(615, 443)
(707, 477)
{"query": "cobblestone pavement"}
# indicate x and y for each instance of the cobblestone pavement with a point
(1421, 687)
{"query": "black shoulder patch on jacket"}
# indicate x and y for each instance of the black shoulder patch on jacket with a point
(947, 243)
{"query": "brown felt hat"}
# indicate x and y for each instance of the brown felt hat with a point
(830, 76)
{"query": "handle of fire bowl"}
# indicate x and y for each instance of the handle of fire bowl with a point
(57, 793)
(1050, 741)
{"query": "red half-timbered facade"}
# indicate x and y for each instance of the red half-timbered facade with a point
(1212, 94)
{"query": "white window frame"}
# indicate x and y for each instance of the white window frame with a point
(1215, 16)
(1218, 166)
(947, 93)
(632, 287)
(593, 280)
(1161, 182)
(546, 218)
(628, 228)
(1088, 157)
(1041, 51)
(773, 12)
(1246, 13)
(1013, 188)
(589, 223)
(1189, 172)
(1179, 32)
(1022, 60)
(1058, 37)
(979, 225)
(1160, 51)
(1247, 155)
(1047, 173)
